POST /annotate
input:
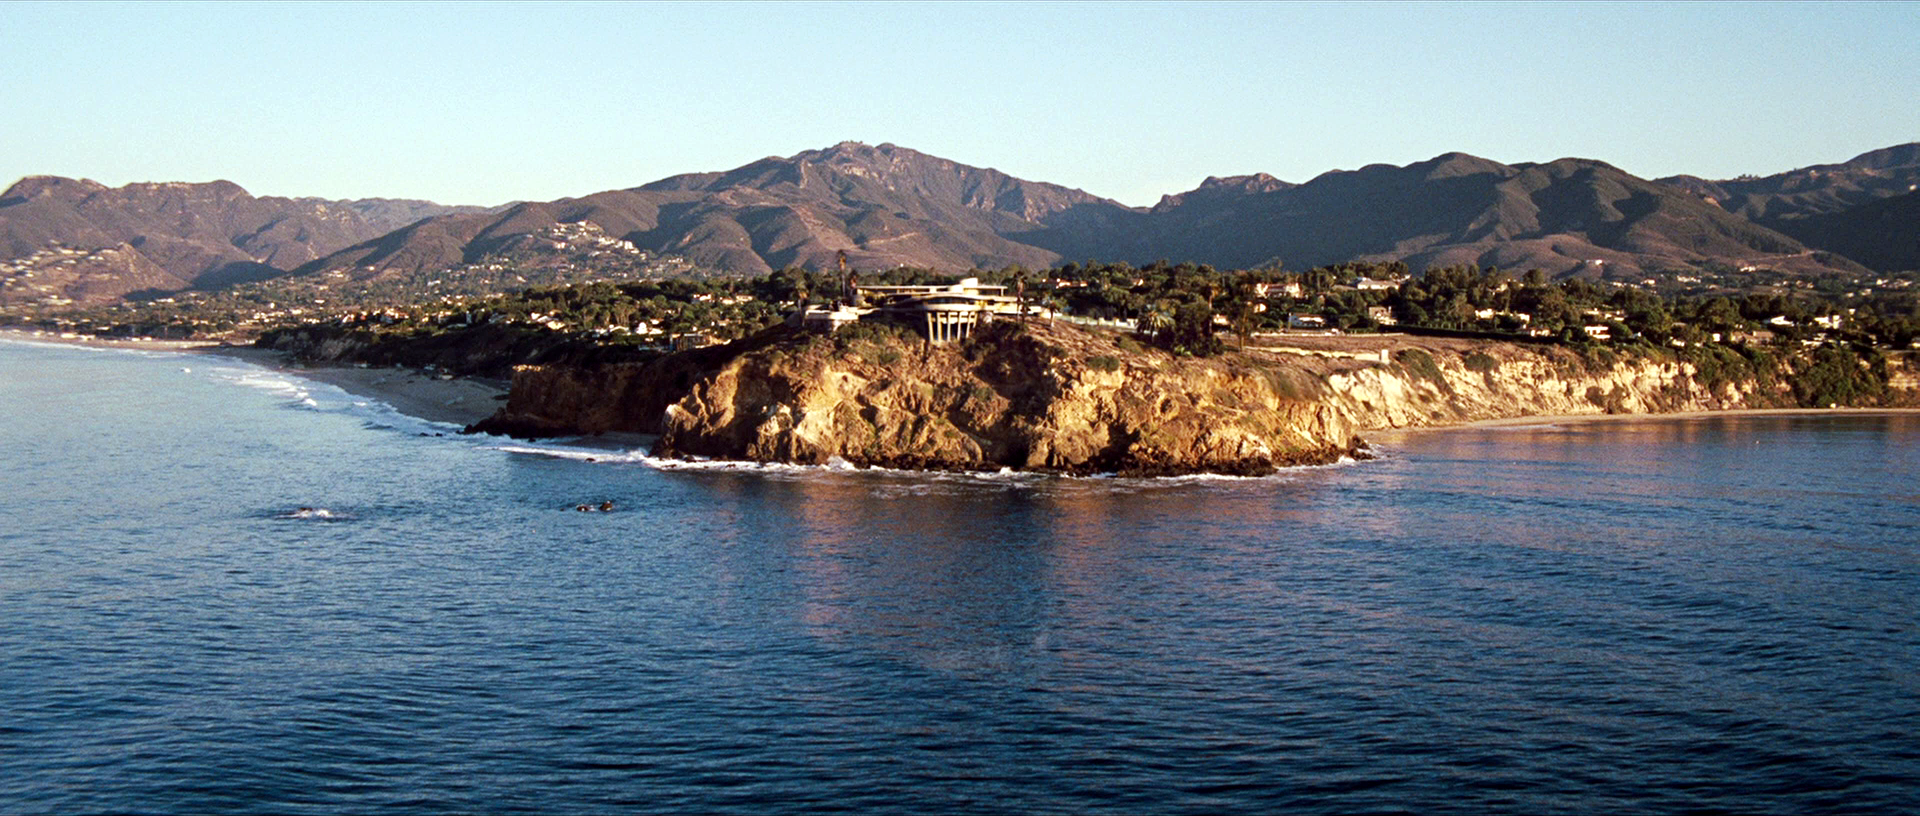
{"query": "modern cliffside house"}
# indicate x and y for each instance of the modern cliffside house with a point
(945, 313)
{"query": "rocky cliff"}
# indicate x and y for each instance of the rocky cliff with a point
(1027, 398)
(1064, 399)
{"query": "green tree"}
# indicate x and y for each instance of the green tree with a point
(1157, 318)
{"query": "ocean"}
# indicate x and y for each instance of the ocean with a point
(225, 589)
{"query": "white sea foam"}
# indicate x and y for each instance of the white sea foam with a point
(310, 395)
(892, 482)
(1208, 477)
(262, 379)
(579, 454)
(902, 482)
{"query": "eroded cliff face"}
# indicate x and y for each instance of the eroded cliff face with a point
(1060, 398)
(1503, 381)
(1027, 398)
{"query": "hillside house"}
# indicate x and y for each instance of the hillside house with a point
(1290, 289)
(945, 313)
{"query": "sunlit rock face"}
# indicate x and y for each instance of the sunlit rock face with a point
(1034, 396)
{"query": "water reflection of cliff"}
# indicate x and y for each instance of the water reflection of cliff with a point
(975, 577)
(1063, 583)
(946, 577)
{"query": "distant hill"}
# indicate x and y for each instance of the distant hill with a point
(84, 241)
(1815, 190)
(1882, 234)
(1830, 206)
(1218, 190)
(1567, 216)
(889, 206)
(886, 206)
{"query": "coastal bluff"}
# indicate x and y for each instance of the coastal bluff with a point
(1061, 398)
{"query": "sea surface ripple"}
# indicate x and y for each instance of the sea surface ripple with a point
(223, 589)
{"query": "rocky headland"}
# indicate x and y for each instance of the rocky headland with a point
(1061, 398)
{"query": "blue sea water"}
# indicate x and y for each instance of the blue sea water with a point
(1664, 615)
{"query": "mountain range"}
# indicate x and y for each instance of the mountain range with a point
(1823, 189)
(1881, 233)
(85, 241)
(1866, 208)
(1565, 216)
(888, 206)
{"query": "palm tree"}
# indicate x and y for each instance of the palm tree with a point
(1244, 319)
(1053, 305)
(1158, 317)
(1020, 292)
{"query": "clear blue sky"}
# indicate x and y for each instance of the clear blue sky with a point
(489, 102)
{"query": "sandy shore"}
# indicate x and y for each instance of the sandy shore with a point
(461, 401)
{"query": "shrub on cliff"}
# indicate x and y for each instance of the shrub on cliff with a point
(1480, 361)
(1718, 367)
(1837, 375)
(878, 341)
(1598, 359)
(869, 331)
(1422, 364)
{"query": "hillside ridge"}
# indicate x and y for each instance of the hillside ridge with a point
(885, 206)
(86, 242)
